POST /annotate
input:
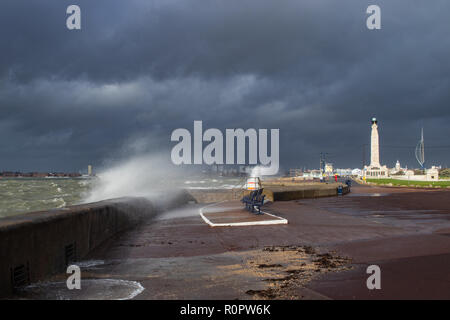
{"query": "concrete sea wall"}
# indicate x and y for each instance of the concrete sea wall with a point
(36, 245)
(272, 192)
(292, 193)
(216, 195)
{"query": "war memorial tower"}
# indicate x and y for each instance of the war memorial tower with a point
(375, 169)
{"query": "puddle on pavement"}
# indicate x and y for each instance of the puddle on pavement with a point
(91, 289)
(408, 214)
(367, 194)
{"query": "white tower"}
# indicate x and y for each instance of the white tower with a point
(374, 145)
(375, 170)
(397, 166)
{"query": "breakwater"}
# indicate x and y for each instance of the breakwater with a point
(273, 192)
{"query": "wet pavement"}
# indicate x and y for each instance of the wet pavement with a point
(178, 256)
(419, 210)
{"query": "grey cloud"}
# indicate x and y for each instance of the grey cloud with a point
(140, 69)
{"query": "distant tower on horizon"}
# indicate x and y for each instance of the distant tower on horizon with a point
(89, 170)
(375, 169)
(374, 145)
(420, 151)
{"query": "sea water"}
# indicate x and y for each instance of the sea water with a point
(21, 195)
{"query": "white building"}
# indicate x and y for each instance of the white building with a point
(344, 172)
(432, 174)
(398, 167)
(328, 168)
(398, 170)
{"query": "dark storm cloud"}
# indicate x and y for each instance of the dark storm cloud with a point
(139, 69)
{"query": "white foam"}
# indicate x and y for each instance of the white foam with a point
(91, 289)
(89, 263)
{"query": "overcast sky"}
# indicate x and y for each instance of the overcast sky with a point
(139, 69)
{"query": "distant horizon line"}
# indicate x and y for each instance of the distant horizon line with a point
(37, 174)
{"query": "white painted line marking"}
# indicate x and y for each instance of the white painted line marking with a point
(279, 220)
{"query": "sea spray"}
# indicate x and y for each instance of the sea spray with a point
(260, 171)
(149, 176)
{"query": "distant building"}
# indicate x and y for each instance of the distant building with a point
(397, 166)
(295, 172)
(432, 174)
(310, 174)
(328, 168)
(343, 172)
(398, 170)
(89, 170)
